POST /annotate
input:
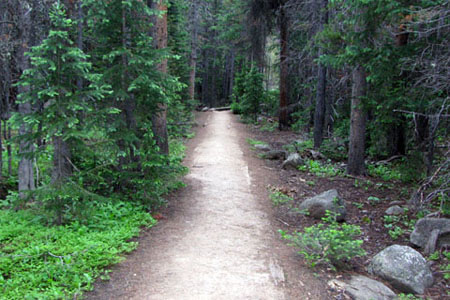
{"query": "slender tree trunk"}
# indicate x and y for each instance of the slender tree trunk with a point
(283, 117)
(194, 41)
(1, 152)
(9, 150)
(319, 114)
(80, 18)
(25, 172)
(356, 164)
(160, 117)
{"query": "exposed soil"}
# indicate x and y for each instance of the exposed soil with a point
(218, 237)
(355, 192)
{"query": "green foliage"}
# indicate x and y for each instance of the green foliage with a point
(56, 64)
(59, 262)
(373, 200)
(320, 169)
(253, 94)
(398, 225)
(328, 243)
(278, 198)
(236, 108)
(384, 172)
(358, 205)
(268, 126)
(299, 146)
(446, 266)
(255, 142)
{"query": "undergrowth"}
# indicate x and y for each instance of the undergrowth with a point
(60, 262)
(329, 243)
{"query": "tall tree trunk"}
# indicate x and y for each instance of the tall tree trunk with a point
(1, 152)
(80, 17)
(356, 164)
(62, 168)
(319, 114)
(9, 149)
(230, 86)
(160, 117)
(283, 117)
(194, 42)
(25, 172)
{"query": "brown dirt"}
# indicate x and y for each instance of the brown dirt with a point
(218, 238)
(355, 192)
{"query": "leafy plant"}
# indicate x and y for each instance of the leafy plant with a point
(358, 205)
(58, 262)
(396, 232)
(329, 243)
(279, 198)
(255, 142)
(236, 108)
(319, 169)
(373, 200)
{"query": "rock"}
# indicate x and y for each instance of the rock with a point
(316, 154)
(424, 227)
(318, 205)
(403, 267)
(262, 147)
(395, 210)
(364, 288)
(205, 109)
(293, 161)
(274, 154)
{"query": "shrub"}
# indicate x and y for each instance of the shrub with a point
(279, 198)
(330, 244)
(236, 108)
(60, 262)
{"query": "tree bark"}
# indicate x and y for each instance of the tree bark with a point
(160, 117)
(319, 113)
(25, 172)
(283, 115)
(356, 165)
(62, 168)
(193, 58)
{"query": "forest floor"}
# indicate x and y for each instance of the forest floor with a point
(357, 193)
(218, 238)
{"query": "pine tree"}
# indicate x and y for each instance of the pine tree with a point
(68, 112)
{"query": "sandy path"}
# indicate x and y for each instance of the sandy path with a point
(217, 243)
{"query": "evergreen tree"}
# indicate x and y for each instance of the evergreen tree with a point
(69, 112)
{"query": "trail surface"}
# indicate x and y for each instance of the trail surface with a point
(217, 242)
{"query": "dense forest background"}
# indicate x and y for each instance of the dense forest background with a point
(97, 95)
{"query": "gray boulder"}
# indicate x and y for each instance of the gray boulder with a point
(403, 267)
(424, 227)
(262, 147)
(364, 288)
(293, 161)
(329, 200)
(274, 154)
(395, 210)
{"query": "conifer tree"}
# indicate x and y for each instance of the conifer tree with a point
(68, 112)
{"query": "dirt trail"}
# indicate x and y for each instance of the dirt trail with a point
(217, 242)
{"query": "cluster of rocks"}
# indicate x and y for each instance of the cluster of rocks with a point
(290, 160)
(402, 267)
